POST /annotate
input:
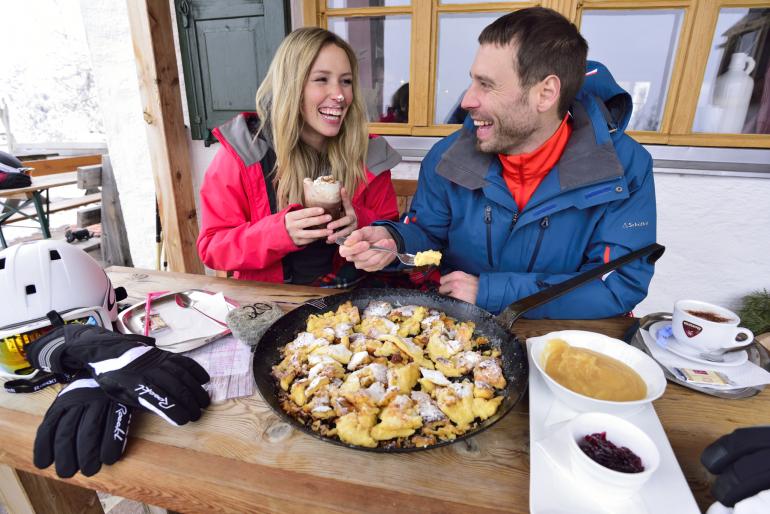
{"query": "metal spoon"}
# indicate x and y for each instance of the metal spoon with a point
(405, 258)
(718, 355)
(183, 300)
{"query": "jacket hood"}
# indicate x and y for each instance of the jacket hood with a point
(600, 84)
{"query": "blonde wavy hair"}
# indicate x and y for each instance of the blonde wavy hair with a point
(279, 106)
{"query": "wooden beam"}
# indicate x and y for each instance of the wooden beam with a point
(309, 14)
(28, 493)
(90, 215)
(90, 177)
(12, 493)
(114, 241)
(152, 35)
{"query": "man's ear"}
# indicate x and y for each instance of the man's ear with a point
(547, 93)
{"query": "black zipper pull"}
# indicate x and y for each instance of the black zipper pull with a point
(488, 214)
(544, 223)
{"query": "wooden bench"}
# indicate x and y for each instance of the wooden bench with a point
(88, 168)
(58, 206)
(34, 202)
(61, 164)
(404, 192)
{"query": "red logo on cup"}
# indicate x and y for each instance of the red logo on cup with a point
(691, 329)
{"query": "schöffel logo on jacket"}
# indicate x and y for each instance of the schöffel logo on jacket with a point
(635, 224)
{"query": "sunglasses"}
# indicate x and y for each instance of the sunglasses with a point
(13, 338)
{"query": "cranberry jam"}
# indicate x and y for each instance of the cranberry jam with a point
(610, 456)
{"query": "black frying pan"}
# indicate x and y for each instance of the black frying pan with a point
(496, 328)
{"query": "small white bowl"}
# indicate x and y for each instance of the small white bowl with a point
(639, 361)
(621, 433)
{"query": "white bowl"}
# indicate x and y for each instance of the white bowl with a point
(621, 433)
(639, 361)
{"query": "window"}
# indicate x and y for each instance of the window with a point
(455, 56)
(381, 44)
(643, 64)
(698, 72)
(735, 93)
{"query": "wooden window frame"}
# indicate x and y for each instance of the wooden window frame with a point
(693, 50)
(704, 24)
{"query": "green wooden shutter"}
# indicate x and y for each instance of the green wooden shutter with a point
(226, 46)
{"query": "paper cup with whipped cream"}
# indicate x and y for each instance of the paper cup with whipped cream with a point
(324, 192)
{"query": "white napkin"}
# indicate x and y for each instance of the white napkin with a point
(757, 504)
(214, 306)
(745, 375)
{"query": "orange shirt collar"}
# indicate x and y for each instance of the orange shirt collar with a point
(524, 172)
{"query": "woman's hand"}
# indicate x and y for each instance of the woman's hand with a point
(306, 225)
(346, 224)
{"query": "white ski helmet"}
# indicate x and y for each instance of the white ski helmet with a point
(41, 276)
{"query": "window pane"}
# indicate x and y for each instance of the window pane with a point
(457, 44)
(337, 4)
(382, 46)
(735, 94)
(639, 48)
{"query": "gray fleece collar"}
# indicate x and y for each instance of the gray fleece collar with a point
(380, 155)
(583, 162)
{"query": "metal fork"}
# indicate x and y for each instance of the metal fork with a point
(405, 258)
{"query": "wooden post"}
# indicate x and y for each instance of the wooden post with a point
(27, 493)
(115, 249)
(12, 493)
(90, 178)
(152, 35)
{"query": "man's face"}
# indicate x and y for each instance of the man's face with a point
(500, 108)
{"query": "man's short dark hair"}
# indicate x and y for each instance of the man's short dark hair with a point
(547, 44)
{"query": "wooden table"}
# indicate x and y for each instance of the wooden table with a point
(32, 194)
(240, 457)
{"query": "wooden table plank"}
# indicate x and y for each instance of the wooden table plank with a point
(44, 182)
(241, 457)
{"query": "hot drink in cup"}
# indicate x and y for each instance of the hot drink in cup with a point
(707, 327)
(324, 192)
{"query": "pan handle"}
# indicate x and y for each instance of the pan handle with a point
(519, 307)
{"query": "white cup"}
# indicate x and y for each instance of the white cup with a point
(707, 327)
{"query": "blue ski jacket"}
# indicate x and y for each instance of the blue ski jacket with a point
(596, 204)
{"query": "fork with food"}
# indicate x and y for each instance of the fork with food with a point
(426, 258)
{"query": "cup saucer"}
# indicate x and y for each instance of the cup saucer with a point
(672, 344)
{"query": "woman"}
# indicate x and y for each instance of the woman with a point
(310, 122)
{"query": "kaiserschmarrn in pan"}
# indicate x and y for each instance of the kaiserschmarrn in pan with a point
(390, 377)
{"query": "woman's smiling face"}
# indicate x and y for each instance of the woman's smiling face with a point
(326, 96)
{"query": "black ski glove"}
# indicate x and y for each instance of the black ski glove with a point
(127, 369)
(82, 430)
(742, 461)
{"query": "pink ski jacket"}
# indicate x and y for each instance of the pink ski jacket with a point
(239, 232)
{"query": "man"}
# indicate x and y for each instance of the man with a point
(540, 183)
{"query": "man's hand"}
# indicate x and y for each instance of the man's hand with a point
(346, 224)
(460, 285)
(305, 225)
(356, 248)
